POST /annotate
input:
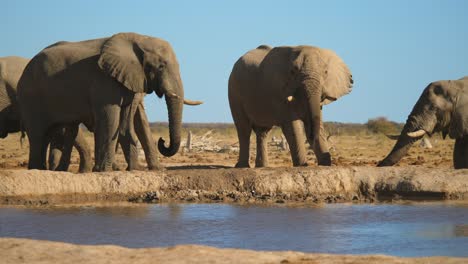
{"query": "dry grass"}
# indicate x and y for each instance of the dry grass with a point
(358, 148)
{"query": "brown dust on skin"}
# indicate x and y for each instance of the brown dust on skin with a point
(365, 149)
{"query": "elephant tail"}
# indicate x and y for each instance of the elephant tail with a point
(23, 134)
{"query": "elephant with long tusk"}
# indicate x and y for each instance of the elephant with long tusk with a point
(286, 87)
(442, 107)
(101, 82)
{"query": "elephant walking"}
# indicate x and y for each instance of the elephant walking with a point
(442, 107)
(100, 82)
(286, 87)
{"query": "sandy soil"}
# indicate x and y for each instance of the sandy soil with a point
(33, 251)
(346, 150)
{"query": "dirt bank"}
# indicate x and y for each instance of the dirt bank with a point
(278, 185)
(34, 251)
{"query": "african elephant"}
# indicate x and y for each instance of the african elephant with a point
(101, 83)
(11, 69)
(442, 107)
(286, 87)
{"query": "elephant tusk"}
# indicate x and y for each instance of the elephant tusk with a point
(392, 137)
(190, 102)
(186, 101)
(290, 98)
(417, 134)
(173, 95)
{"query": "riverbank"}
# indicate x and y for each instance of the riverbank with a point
(219, 184)
(14, 250)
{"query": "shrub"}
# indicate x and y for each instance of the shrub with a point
(383, 125)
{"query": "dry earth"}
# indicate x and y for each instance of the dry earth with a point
(34, 251)
(347, 150)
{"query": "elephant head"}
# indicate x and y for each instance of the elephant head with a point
(145, 64)
(442, 107)
(319, 77)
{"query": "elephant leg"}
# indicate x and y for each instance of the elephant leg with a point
(84, 151)
(127, 138)
(144, 135)
(243, 133)
(321, 148)
(460, 153)
(69, 134)
(105, 136)
(38, 143)
(262, 154)
(294, 134)
(55, 148)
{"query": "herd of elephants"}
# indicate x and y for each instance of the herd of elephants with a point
(101, 83)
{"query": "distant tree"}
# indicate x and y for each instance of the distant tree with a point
(383, 125)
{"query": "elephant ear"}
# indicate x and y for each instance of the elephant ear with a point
(121, 58)
(459, 121)
(337, 80)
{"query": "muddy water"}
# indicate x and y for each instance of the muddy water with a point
(422, 229)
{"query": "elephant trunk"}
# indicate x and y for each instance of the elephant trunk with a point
(406, 139)
(400, 149)
(313, 96)
(174, 108)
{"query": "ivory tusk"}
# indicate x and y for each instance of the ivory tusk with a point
(393, 137)
(290, 98)
(173, 95)
(416, 134)
(186, 101)
(190, 102)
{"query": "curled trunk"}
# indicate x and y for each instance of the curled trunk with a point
(174, 108)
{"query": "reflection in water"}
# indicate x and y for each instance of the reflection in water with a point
(403, 230)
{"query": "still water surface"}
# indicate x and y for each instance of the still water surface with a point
(422, 229)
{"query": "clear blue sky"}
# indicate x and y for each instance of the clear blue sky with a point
(394, 48)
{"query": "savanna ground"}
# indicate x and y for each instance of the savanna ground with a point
(216, 144)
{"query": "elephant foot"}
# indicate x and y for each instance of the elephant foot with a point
(305, 164)
(325, 159)
(85, 170)
(242, 165)
(135, 167)
(155, 167)
(116, 167)
(261, 164)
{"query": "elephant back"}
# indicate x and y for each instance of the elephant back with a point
(338, 80)
(11, 69)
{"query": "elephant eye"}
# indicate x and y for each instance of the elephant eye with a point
(162, 65)
(438, 90)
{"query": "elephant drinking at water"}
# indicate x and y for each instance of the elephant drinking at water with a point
(99, 82)
(442, 107)
(286, 87)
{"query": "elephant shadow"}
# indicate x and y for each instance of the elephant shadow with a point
(198, 167)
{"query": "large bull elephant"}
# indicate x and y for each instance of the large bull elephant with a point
(286, 87)
(100, 83)
(442, 107)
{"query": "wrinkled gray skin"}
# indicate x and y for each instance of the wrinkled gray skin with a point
(11, 69)
(260, 84)
(442, 107)
(99, 82)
